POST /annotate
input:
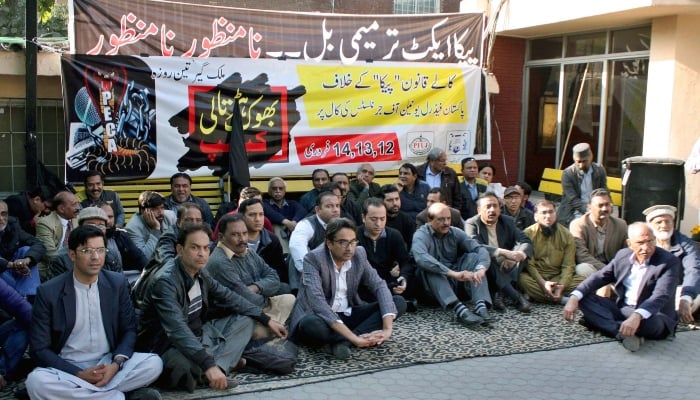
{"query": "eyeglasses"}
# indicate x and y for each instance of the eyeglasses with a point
(87, 250)
(4, 214)
(346, 243)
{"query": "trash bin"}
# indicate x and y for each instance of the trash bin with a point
(649, 181)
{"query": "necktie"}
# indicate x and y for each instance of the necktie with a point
(69, 228)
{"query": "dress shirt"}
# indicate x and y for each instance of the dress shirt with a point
(587, 186)
(299, 241)
(433, 180)
(340, 301)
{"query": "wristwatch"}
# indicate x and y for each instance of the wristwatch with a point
(119, 361)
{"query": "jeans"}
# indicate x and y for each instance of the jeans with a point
(14, 341)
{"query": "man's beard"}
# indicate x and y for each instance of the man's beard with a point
(663, 235)
(548, 231)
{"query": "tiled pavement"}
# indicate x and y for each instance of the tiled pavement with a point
(668, 369)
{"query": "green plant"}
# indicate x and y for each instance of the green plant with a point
(52, 17)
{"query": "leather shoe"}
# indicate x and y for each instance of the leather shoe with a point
(468, 318)
(498, 304)
(484, 314)
(341, 351)
(523, 305)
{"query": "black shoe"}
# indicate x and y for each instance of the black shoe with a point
(21, 393)
(411, 305)
(468, 318)
(341, 351)
(145, 393)
(585, 324)
(523, 305)
(498, 304)
(484, 314)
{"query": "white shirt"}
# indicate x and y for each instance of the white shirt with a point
(633, 282)
(340, 301)
(87, 342)
(64, 226)
(299, 241)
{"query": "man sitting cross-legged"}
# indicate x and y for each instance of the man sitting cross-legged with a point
(507, 245)
(83, 331)
(198, 326)
(549, 275)
(661, 219)
(242, 270)
(452, 264)
(386, 250)
(329, 309)
(644, 278)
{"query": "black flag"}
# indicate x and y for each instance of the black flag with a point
(237, 157)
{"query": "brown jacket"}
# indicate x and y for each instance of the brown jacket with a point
(585, 236)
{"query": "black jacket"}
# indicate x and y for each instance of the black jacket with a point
(14, 237)
(164, 305)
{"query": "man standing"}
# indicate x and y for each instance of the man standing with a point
(83, 331)
(598, 235)
(95, 192)
(54, 229)
(395, 218)
(578, 181)
(470, 188)
(180, 307)
(238, 268)
(452, 264)
(661, 218)
(329, 310)
(362, 187)
(644, 278)
(549, 275)
(437, 174)
(435, 196)
(507, 245)
(146, 226)
(310, 233)
(19, 254)
(513, 208)
(319, 177)
(181, 187)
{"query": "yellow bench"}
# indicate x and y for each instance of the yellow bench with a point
(210, 188)
(551, 184)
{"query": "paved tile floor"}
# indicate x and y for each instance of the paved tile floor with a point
(668, 369)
